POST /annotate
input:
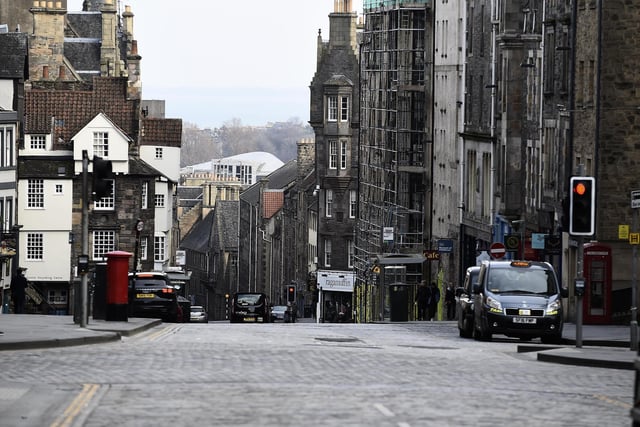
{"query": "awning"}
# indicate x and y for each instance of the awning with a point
(391, 259)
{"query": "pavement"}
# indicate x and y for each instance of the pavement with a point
(604, 346)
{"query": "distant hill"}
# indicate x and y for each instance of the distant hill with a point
(233, 138)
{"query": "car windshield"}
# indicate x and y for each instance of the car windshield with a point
(521, 280)
(249, 299)
(141, 283)
(279, 308)
(196, 308)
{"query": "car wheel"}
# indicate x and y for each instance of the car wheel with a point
(480, 334)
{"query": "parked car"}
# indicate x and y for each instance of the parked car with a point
(464, 302)
(283, 313)
(151, 294)
(198, 314)
(521, 299)
(249, 307)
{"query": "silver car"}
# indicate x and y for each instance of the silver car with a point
(198, 314)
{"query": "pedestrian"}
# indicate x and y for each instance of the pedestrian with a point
(450, 302)
(433, 301)
(18, 286)
(423, 296)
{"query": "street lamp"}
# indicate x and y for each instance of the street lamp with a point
(139, 228)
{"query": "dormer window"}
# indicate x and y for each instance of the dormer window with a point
(159, 153)
(101, 144)
(38, 142)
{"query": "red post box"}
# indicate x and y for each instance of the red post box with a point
(118, 285)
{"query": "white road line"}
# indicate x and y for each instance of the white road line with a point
(383, 410)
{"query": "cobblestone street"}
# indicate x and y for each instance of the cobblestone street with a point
(413, 374)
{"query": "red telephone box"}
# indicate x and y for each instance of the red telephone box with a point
(596, 303)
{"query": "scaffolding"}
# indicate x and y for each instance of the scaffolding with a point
(395, 141)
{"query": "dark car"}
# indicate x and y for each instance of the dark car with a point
(249, 307)
(151, 294)
(464, 302)
(521, 299)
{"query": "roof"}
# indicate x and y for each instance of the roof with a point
(280, 179)
(265, 162)
(163, 132)
(198, 238)
(13, 55)
(71, 110)
(226, 225)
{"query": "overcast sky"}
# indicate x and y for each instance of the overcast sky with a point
(216, 60)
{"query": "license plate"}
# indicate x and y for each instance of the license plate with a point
(249, 319)
(145, 295)
(528, 320)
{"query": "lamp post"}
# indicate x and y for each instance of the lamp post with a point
(139, 228)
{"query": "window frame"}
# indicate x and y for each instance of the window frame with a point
(101, 144)
(332, 108)
(328, 203)
(333, 154)
(35, 246)
(35, 193)
(107, 203)
(106, 243)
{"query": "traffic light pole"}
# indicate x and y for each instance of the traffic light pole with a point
(85, 238)
(634, 288)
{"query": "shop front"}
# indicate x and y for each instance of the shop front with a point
(335, 296)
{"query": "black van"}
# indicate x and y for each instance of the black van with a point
(521, 299)
(249, 307)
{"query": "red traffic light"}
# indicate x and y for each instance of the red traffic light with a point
(291, 294)
(580, 189)
(582, 206)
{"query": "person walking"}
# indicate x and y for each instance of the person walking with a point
(18, 286)
(450, 302)
(423, 295)
(433, 301)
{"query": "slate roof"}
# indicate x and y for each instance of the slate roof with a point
(13, 56)
(279, 179)
(54, 167)
(137, 166)
(199, 237)
(226, 225)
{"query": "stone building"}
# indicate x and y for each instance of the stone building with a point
(83, 98)
(335, 117)
(605, 113)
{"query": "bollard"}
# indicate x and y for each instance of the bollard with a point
(118, 286)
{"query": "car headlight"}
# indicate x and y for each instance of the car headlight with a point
(494, 304)
(553, 307)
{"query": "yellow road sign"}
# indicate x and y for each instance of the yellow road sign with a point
(634, 238)
(623, 231)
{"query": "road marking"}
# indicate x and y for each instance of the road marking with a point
(383, 410)
(615, 402)
(388, 413)
(163, 332)
(78, 404)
